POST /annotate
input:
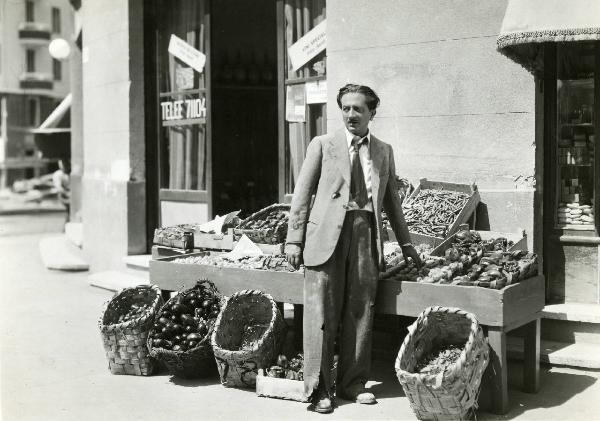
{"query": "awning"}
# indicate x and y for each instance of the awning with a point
(528, 24)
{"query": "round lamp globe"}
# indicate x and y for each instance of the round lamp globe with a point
(59, 49)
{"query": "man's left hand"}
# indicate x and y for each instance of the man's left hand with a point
(409, 251)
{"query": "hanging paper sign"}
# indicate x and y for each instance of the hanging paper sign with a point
(307, 47)
(183, 112)
(186, 53)
(295, 104)
(316, 92)
(184, 78)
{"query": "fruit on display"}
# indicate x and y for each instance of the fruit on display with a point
(134, 312)
(284, 368)
(186, 319)
(393, 252)
(271, 262)
(432, 212)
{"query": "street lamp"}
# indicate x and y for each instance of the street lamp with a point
(59, 49)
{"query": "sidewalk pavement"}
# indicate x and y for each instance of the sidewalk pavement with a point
(53, 365)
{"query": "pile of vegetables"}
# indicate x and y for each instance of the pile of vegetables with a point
(272, 262)
(432, 212)
(470, 261)
(186, 319)
(438, 360)
(288, 369)
(134, 312)
(394, 256)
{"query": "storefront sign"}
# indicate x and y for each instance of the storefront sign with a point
(316, 92)
(186, 53)
(183, 112)
(308, 46)
(295, 104)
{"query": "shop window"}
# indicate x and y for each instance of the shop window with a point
(577, 181)
(56, 69)
(305, 116)
(182, 109)
(55, 20)
(29, 11)
(30, 61)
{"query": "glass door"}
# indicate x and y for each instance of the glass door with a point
(184, 120)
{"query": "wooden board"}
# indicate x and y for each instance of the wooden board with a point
(492, 307)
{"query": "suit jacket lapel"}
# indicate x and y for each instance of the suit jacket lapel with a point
(377, 155)
(338, 149)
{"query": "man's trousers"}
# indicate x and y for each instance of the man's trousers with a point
(342, 290)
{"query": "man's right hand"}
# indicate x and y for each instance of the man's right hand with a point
(294, 254)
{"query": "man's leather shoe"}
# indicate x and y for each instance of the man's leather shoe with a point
(323, 405)
(362, 396)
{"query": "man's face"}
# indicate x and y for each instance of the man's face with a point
(355, 113)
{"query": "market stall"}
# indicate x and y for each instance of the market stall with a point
(488, 274)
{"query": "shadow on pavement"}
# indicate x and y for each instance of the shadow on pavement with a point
(556, 388)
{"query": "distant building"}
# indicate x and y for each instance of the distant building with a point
(32, 83)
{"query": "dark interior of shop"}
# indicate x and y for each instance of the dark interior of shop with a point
(244, 105)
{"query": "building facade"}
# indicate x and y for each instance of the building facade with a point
(453, 108)
(32, 83)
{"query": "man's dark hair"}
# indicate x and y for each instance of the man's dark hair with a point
(370, 95)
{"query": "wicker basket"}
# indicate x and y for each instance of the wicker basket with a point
(248, 335)
(451, 394)
(125, 343)
(267, 235)
(192, 363)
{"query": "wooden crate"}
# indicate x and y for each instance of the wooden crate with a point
(272, 387)
(285, 287)
(519, 240)
(462, 218)
(203, 240)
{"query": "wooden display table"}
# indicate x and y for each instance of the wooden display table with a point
(499, 311)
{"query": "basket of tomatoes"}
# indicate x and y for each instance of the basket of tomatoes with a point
(180, 337)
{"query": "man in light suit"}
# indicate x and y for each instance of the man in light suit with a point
(352, 175)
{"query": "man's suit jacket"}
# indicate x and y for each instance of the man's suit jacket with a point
(326, 173)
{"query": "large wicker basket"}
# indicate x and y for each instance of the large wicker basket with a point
(452, 394)
(248, 335)
(193, 363)
(125, 342)
(265, 235)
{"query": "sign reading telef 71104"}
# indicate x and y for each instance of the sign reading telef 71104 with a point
(183, 111)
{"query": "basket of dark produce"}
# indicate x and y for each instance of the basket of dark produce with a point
(441, 363)
(124, 326)
(248, 336)
(180, 338)
(267, 226)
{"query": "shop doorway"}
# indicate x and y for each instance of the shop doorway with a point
(244, 105)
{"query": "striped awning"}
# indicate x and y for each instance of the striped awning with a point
(528, 24)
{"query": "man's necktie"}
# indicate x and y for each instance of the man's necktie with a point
(358, 187)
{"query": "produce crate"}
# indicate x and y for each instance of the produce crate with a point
(164, 251)
(186, 242)
(463, 216)
(285, 287)
(203, 240)
(273, 387)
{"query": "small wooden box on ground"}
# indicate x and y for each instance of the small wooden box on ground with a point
(273, 387)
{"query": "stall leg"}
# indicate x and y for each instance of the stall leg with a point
(497, 370)
(531, 364)
(298, 316)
